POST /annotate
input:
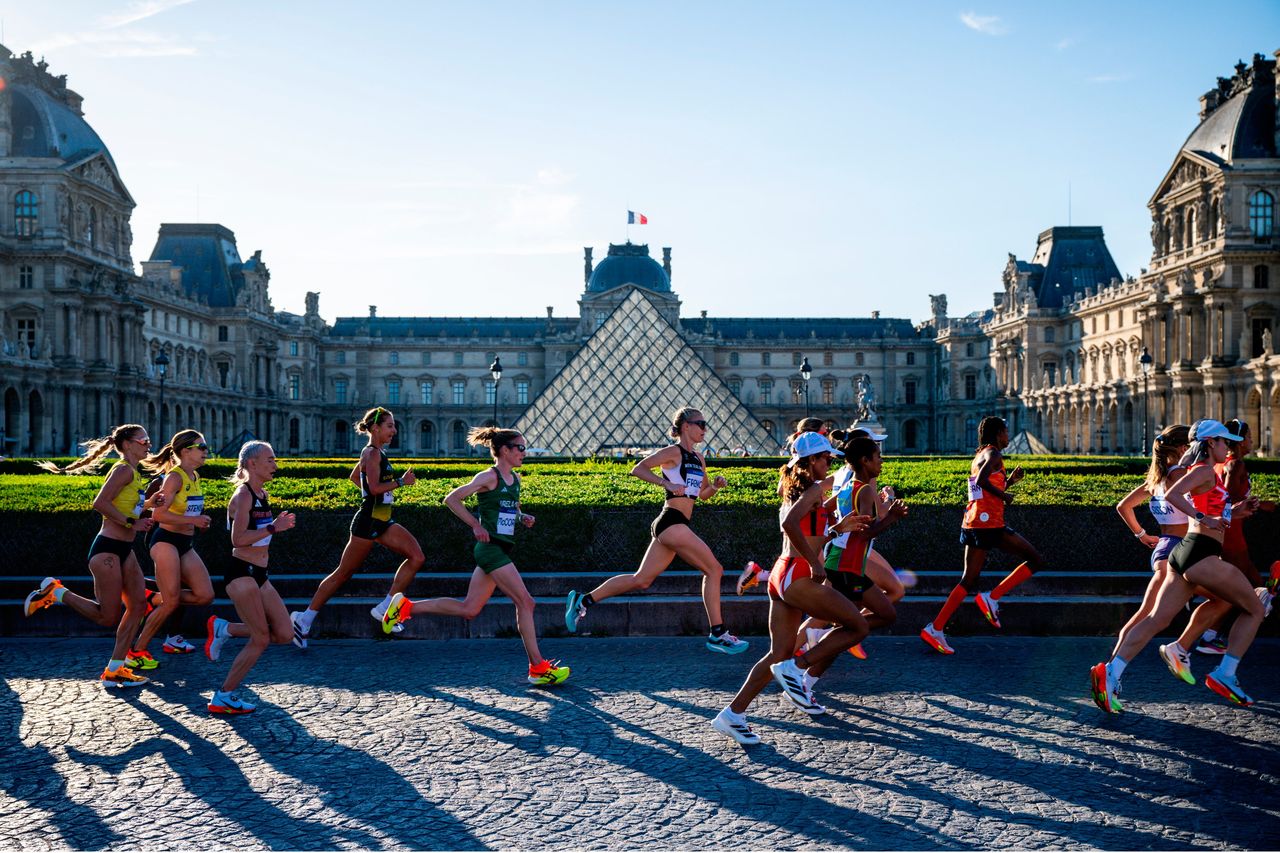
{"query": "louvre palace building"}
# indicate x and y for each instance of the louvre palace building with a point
(190, 337)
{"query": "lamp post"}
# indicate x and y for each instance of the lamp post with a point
(1144, 361)
(162, 365)
(805, 372)
(1102, 438)
(495, 370)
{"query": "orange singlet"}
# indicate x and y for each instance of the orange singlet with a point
(984, 509)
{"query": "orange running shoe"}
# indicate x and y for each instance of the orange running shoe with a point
(548, 672)
(122, 677)
(45, 596)
(750, 576)
(1273, 582)
(858, 652)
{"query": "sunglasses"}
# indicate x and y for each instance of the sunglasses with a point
(201, 446)
(519, 447)
(145, 442)
(699, 424)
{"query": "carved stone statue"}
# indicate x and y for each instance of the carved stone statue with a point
(866, 399)
(1267, 349)
(1202, 220)
(1177, 231)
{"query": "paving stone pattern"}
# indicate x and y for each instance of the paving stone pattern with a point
(412, 744)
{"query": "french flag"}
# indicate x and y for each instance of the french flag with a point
(634, 218)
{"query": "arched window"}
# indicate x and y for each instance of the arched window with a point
(26, 211)
(910, 435)
(971, 432)
(459, 436)
(427, 437)
(341, 434)
(1261, 277)
(1262, 213)
(91, 227)
(295, 430)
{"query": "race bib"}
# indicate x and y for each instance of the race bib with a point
(507, 522)
(388, 497)
(1226, 511)
(692, 484)
(137, 508)
(195, 505)
(975, 491)
(263, 522)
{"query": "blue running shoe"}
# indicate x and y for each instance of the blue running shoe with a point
(574, 610)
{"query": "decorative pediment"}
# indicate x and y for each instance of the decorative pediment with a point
(98, 170)
(1188, 168)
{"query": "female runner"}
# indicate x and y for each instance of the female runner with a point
(116, 573)
(497, 491)
(982, 530)
(1195, 561)
(371, 525)
(1164, 471)
(180, 573)
(263, 617)
(796, 588)
(684, 476)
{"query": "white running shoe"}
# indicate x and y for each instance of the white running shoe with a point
(299, 634)
(377, 614)
(936, 639)
(217, 637)
(176, 644)
(791, 679)
(813, 709)
(1266, 597)
(726, 643)
(736, 729)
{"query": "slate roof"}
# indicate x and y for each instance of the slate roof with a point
(628, 263)
(1069, 259)
(1241, 128)
(765, 328)
(56, 130)
(450, 327)
(210, 261)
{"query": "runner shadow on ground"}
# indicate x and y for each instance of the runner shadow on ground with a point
(29, 775)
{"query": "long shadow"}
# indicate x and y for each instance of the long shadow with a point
(29, 775)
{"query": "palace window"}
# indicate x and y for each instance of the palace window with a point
(828, 392)
(27, 337)
(339, 390)
(393, 392)
(1049, 334)
(796, 358)
(26, 212)
(968, 349)
(733, 359)
(735, 386)
(1261, 277)
(426, 388)
(427, 436)
(1262, 207)
(457, 359)
(909, 393)
(766, 358)
(293, 347)
(859, 359)
(490, 392)
(295, 387)
(911, 358)
(224, 333)
(393, 358)
(426, 359)
(340, 357)
(828, 359)
(522, 358)
(459, 391)
(522, 391)
(27, 277)
(910, 434)
(766, 391)
(971, 386)
(797, 391)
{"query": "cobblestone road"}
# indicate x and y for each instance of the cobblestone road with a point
(441, 745)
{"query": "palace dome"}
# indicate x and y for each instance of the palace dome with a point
(628, 263)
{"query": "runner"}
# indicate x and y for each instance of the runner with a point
(848, 555)
(796, 587)
(497, 491)
(1235, 550)
(1195, 561)
(371, 525)
(180, 573)
(982, 530)
(1164, 471)
(684, 476)
(117, 577)
(263, 617)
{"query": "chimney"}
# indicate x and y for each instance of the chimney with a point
(373, 310)
(586, 268)
(666, 261)
(875, 315)
(1209, 102)
(551, 308)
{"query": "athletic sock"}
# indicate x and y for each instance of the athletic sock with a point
(954, 600)
(587, 600)
(1209, 636)
(1014, 578)
(717, 630)
(732, 717)
(1178, 649)
(1228, 665)
(58, 593)
(306, 617)
(384, 604)
(113, 665)
(1115, 669)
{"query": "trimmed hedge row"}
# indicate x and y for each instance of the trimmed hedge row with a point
(614, 539)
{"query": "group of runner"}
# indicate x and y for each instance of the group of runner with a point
(829, 588)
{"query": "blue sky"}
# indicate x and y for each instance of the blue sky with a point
(800, 159)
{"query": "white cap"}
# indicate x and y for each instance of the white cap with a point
(1208, 428)
(810, 444)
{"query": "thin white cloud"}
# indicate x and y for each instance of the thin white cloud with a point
(990, 25)
(1065, 43)
(1110, 78)
(139, 10)
(116, 44)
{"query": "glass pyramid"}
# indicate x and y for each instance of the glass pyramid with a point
(620, 390)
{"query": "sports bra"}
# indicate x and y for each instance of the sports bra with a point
(129, 500)
(1214, 501)
(260, 516)
(1165, 513)
(689, 474)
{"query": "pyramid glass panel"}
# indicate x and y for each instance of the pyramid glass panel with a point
(620, 390)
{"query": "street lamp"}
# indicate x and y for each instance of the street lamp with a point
(805, 372)
(162, 366)
(1145, 361)
(495, 370)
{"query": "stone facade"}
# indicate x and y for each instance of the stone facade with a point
(1058, 354)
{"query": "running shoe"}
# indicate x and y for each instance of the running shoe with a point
(791, 679)
(750, 576)
(1267, 598)
(140, 659)
(736, 729)
(216, 639)
(726, 643)
(45, 596)
(396, 627)
(400, 610)
(548, 672)
(1179, 665)
(936, 639)
(858, 652)
(815, 635)
(814, 709)
(1273, 582)
(122, 677)
(149, 596)
(176, 644)
(230, 703)
(989, 606)
(1228, 686)
(574, 610)
(1103, 696)
(1216, 646)
(299, 635)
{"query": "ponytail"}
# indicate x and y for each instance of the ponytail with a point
(796, 478)
(679, 419)
(248, 451)
(494, 438)
(371, 419)
(988, 429)
(96, 451)
(166, 458)
(1163, 459)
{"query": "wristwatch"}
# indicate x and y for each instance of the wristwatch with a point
(270, 528)
(1199, 516)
